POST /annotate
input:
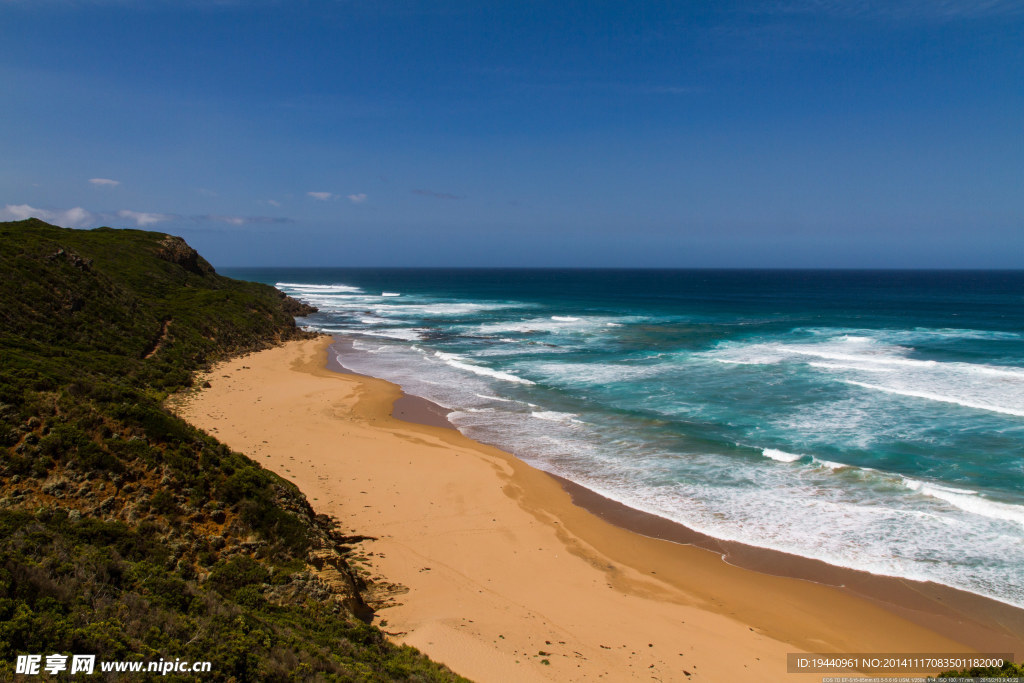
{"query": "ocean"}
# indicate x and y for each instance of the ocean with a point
(869, 419)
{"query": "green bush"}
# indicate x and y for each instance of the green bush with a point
(133, 535)
(238, 572)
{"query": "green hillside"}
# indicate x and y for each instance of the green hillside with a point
(126, 533)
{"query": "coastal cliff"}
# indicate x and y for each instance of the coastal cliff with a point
(124, 531)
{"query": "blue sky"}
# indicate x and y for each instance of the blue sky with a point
(783, 133)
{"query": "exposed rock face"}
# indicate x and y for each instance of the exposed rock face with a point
(72, 258)
(176, 250)
(296, 308)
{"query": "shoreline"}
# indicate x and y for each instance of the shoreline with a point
(509, 576)
(945, 609)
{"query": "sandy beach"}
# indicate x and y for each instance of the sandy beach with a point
(502, 576)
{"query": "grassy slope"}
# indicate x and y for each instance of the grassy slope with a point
(126, 533)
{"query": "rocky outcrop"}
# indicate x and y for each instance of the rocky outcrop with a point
(296, 308)
(72, 258)
(176, 250)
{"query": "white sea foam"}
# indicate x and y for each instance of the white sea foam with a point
(522, 327)
(318, 289)
(347, 331)
(391, 294)
(781, 456)
(918, 485)
(913, 336)
(867, 363)
(1009, 372)
(554, 416)
(923, 333)
(334, 302)
(380, 321)
(462, 364)
(556, 324)
(969, 501)
(439, 310)
(340, 300)
(366, 304)
(494, 398)
(863, 361)
(931, 396)
(862, 352)
(831, 464)
(404, 334)
(842, 366)
(562, 374)
(366, 348)
(517, 348)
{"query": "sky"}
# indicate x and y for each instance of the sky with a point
(781, 133)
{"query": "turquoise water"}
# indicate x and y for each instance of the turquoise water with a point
(872, 420)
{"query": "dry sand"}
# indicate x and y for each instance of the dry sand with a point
(507, 579)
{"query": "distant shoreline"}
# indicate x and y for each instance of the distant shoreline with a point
(488, 546)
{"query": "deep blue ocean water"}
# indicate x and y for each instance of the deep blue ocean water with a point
(872, 420)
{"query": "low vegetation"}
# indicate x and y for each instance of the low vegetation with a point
(125, 532)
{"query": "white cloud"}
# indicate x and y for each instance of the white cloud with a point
(142, 219)
(241, 220)
(357, 198)
(322, 196)
(104, 182)
(67, 218)
(19, 212)
(81, 218)
(273, 202)
(77, 216)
